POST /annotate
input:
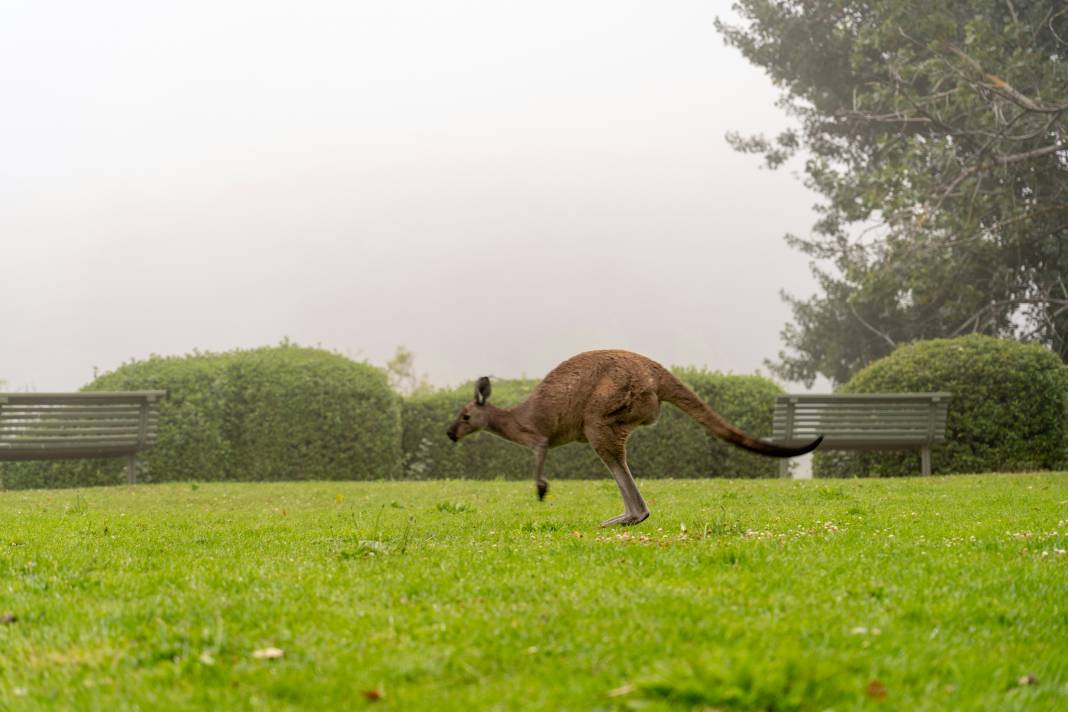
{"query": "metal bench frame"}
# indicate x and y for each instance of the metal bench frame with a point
(872, 421)
(64, 426)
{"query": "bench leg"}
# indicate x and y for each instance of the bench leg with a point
(131, 469)
(925, 460)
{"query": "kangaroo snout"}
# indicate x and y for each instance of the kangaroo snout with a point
(452, 434)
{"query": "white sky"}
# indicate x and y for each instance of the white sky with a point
(494, 185)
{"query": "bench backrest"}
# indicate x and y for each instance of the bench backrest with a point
(862, 421)
(52, 426)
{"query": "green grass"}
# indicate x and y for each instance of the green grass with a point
(908, 594)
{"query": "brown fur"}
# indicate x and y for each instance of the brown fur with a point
(600, 397)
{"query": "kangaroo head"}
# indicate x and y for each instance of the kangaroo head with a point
(473, 416)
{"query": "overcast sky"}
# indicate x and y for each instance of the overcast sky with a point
(494, 185)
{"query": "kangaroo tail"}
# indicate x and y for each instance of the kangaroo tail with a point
(675, 392)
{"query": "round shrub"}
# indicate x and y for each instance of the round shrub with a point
(1008, 413)
(279, 413)
(305, 414)
(676, 446)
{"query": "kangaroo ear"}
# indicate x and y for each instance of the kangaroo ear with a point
(482, 390)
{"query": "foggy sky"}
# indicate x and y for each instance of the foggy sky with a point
(494, 185)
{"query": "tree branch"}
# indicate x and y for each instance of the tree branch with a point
(869, 327)
(1004, 87)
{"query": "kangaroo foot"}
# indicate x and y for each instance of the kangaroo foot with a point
(543, 488)
(626, 519)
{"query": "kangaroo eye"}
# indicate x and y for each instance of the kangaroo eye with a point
(466, 417)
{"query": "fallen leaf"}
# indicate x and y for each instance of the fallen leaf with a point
(8, 618)
(875, 690)
(375, 694)
(206, 658)
(620, 691)
(268, 653)
(1026, 680)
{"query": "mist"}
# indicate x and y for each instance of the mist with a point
(494, 186)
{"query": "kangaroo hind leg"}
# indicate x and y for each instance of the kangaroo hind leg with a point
(611, 445)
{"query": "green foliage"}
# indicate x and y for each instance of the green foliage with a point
(265, 414)
(1009, 410)
(936, 134)
(676, 446)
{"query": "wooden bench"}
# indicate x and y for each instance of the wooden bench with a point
(877, 421)
(62, 426)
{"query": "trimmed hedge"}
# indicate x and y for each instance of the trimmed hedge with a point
(279, 413)
(676, 446)
(291, 413)
(1009, 410)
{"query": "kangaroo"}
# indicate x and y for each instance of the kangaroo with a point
(600, 397)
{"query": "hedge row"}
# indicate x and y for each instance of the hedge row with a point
(288, 413)
(1009, 410)
(291, 413)
(280, 413)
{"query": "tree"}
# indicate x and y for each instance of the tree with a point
(937, 135)
(402, 376)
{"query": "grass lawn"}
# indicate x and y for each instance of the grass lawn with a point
(938, 593)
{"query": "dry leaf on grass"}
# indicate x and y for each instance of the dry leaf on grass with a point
(268, 653)
(375, 694)
(875, 690)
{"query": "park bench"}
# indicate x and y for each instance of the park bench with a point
(62, 426)
(876, 421)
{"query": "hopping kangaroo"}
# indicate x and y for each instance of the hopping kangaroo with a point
(600, 397)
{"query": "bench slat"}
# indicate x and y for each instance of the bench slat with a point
(104, 397)
(835, 418)
(826, 428)
(72, 421)
(73, 453)
(34, 440)
(17, 436)
(864, 444)
(832, 420)
(91, 411)
(916, 437)
(868, 412)
(834, 398)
